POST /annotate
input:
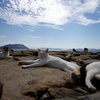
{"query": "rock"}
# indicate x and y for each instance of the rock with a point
(97, 56)
(15, 58)
(67, 98)
(19, 54)
(76, 54)
(1, 89)
(80, 90)
(47, 81)
(61, 56)
(95, 96)
(85, 62)
(35, 53)
(60, 94)
(63, 92)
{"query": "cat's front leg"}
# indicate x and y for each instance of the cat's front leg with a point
(27, 62)
(37, 64)
(24, 66)
(88, 79)
(90, 86)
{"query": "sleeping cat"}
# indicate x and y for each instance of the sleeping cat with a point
(92, 71)
(5, 53)
(52, 61)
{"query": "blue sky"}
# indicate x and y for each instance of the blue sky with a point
(50, 23)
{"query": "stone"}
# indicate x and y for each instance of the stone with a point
(95, 96)
(67, 98)
(47, 80)
(63, 92)
(1, 89)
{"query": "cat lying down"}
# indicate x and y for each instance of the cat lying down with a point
(87, 74)
(52, 61)
(92, 71)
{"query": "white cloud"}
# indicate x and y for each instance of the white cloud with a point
(32, 37)
(51, 13)
(85, 21)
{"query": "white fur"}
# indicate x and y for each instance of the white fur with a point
(52, 61)
(92, 70)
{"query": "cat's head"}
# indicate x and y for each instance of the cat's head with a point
(43, 53)
(6, 50)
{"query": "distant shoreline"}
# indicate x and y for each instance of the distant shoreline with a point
(59, 49)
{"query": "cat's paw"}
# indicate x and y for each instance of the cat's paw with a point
(24, 66)
(92, 89)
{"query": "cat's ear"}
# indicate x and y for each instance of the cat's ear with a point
(39, 50)
(47, 50)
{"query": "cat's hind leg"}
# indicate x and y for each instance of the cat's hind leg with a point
(89, 77)
(67, 70)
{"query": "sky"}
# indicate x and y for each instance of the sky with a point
(50, 23)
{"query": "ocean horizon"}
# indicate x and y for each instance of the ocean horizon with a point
(69, 49)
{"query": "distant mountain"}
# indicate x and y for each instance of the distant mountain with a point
(94, 50)
(16, 46)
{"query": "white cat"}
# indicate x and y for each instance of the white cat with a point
(52, 61)
(92, 70)
(4, 53)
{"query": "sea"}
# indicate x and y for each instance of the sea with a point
(61, 49)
